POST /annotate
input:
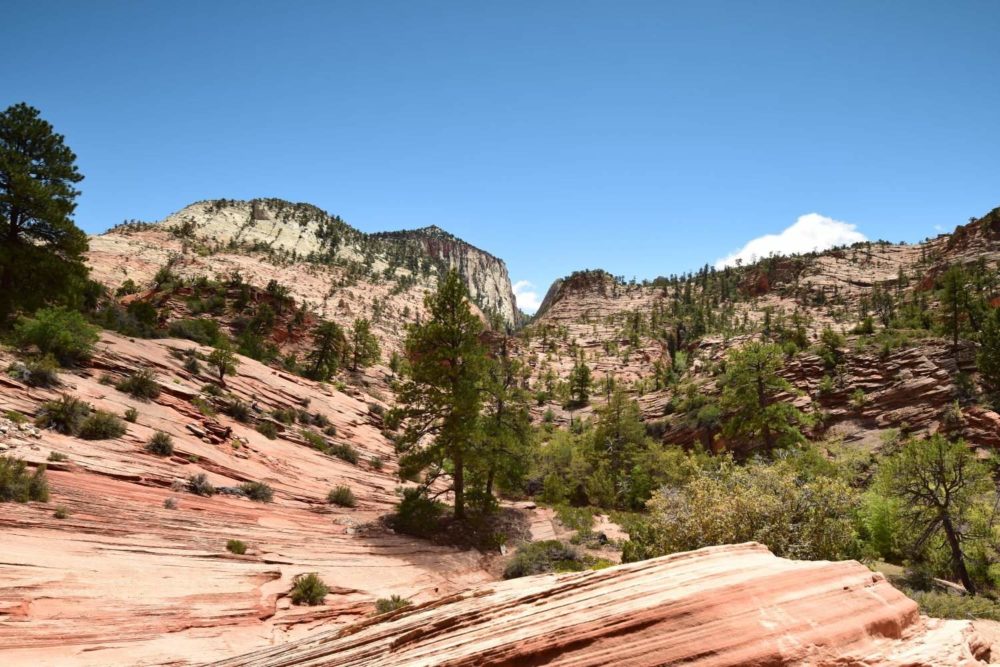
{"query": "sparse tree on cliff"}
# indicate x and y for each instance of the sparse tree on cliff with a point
(41, 250)
(223, 360)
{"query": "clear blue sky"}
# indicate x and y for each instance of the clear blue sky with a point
(642, 137)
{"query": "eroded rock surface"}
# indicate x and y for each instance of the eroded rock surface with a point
(729, 605)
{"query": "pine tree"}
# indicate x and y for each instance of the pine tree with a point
(364, 345)
(41, 250)
(579, 384)
(329, 346)
(506, 422)
(749, 398)
(988, 358)
(440, 400)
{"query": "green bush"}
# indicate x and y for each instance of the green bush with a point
(949, 605)
(376, 463)
(192, 365)
(42, 372)
(417, 514)
(286, 416)
(142, 385)
(200, 486)
(343, 496)
(268, 430)
(17, 484)
(101, 425)
(258, 491)
(237, 547)
(64, 334)
(15, 416)
(65, 415)
(308, 589)
(131, 414)
(61, 512)
(345, 452)
(315, 440)
(576, 518)
(57, 457)
(546, 556)
(204, 407)
(392, 603)
(237, 409)
(160, 444)
(204, 331)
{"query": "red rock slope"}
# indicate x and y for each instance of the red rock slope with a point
(729, 605)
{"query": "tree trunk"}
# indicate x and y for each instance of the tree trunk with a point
(459, 487)
(956, 554)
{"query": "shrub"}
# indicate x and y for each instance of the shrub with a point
(204, 407)
(192, 365)
(546, 556)
(375, 462)
(200, 486)
(101, 425)
(285, 416)
(268, 430)
(170, 503)
(65, 415)
(204, 331)
(142, 385)
(61, 512)
(345, 452)
(417, 514)
(315, 440)
(212, 389)
(237, 409)
(330, 430)
(17, 484)
(131, 415)
(160, 444)
(57, 457)
(64, 334)
(949, 605)
(15, 416)
(237, 547)
(343, 496)
(392, 603)
(580, 519)
(41, 372)
(308, 589)
(258, 491)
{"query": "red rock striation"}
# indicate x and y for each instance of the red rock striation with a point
(728, 605)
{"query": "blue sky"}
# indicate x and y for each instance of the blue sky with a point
(642, 137)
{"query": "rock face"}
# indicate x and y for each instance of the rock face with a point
(730, 605)
(126, 579)
(300, 234)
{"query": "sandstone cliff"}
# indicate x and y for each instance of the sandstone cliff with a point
(301, 239)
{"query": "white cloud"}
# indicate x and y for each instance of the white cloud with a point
(810, 232)
(527, 297)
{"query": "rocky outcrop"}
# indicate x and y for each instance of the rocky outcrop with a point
(485, 275)
(729, 605)
(295, 234)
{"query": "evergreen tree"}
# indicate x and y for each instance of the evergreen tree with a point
(988, 358)
(941, 487)
(749, 398)
(506, 422)
(440, 400)
(579, 384)
(329, 346)
(364, 345)
(41, 250)
(223, 360)
(954, 301)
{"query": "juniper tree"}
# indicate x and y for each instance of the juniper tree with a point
(329, 348)
(364, 345)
